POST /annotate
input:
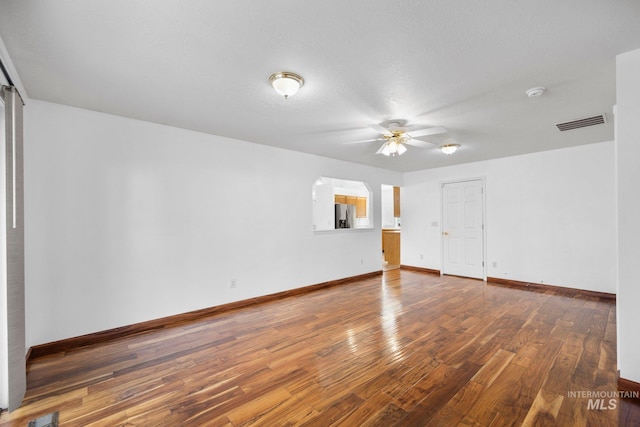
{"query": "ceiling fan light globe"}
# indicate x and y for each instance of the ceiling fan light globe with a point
(393, 145)
(401, 149)
(386, 150)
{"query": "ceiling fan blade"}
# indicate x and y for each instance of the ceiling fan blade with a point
(418, 143)
(381, 148)
(363, 141)
(380, 129)
(428, 131)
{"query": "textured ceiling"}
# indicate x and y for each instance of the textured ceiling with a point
(204, 65)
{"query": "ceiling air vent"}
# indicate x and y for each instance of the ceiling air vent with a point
(581, 123)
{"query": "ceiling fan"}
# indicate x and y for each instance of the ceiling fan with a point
(396, 137)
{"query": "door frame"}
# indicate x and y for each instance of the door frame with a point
(483, 181)
(14, 342)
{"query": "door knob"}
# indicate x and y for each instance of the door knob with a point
(445, 233)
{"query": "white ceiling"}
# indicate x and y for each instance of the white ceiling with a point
(461, 64)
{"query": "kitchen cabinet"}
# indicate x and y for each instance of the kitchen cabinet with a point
(361, 207)
(391, 246)
(344, 199)
(396, 202)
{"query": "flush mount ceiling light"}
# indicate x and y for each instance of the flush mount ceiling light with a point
(535, 91)
(286, 83)
(450, 148)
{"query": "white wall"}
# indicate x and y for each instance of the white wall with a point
(628, 178)
(129, 221)
(550, 216)
(386, 199)
(324, 214)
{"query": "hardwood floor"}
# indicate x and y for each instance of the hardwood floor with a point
(403, 349)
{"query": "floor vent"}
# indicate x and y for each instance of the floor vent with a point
(581, 123)
(49, 420)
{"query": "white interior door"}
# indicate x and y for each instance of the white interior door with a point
(463, 228)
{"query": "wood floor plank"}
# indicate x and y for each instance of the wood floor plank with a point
(494, 367)
(378, 410)
(495, 397)
(544, 410)
(452, 413)
(629, 412)
(251, 408)
(414, 394)
(439, 394)
(557, 381)
(338, 410)
(405, 348)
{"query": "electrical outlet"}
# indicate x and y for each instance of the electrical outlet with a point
(361, 261)
(233, 283)
(495, 264)
(421, 256)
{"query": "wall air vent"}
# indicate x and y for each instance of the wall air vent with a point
(581, 123)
